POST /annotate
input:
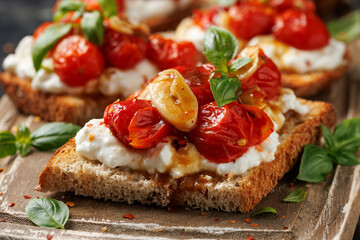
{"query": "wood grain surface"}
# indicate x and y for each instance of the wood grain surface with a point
(330, 211)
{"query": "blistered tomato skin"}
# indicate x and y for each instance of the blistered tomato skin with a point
(198, 80)
(300, 29)
(147, 128)
(267, 77)
(122, 50)
(167, 53)
(207, 18)
(249, 19)
(118, 115)
(224, 134)
(77, 61)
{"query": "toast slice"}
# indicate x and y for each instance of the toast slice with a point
(67, 171)
(76, 109)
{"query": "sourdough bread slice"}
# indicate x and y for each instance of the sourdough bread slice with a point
(53, 107)
(67, 171)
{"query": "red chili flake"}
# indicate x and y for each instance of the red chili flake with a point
(203, 213)
(286, 228)
(283, 216)
(49, 237)
(11, 204)
(2, 220)
(248, 220)
(1, 169)
(70, 204)
(254, 225)
(89, 125)
(1, 193)
(102, 123)
(129, 216)
(37, 197)
(27, 196)
(216, 219)
(183, 233)
(250, 238)
(291, 185)
(232, 221)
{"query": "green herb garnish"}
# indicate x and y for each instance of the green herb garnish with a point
(264, 210)
(340, 148)
(346, 28)
(93, 28)
(296, 196)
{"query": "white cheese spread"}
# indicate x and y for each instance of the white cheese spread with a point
(301, 61)
(114, 81)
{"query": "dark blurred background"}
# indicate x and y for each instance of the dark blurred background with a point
(21, 17)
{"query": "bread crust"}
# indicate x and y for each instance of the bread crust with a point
(76, 109)
(67, 171)
(309, 84)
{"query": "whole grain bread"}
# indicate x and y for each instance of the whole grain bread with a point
(76, 109)
(67, 171)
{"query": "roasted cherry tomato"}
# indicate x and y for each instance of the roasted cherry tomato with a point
(224, 134)
(39, 30)
(76, 61)
(122, 50)
(267, 77)
(147, 128)
(166, 53)
(249, 19)
(198, 80)
(207, 18)
(120, 6)
(282, 5)
(118, 115)
(300, 29)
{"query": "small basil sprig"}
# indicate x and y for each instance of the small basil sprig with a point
(47, 212)
(340, 147)
(109, 7)
(93, 28)
(220, 47)
(264, 210)
(66, 6)
(46, 41)
(346, 28)
(47, 137)
(296, 196)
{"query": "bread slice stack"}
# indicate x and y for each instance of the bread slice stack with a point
(67, 171)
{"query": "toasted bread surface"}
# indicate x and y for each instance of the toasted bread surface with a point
(67, 171)
(53, 107)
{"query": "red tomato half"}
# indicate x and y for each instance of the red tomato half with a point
(267, 77)
(207, 18)
(300, 29)
(118, 115)
(166, 53)
(122, 50)
(224, 134)
(76, 61)
(282, 5)
(249, 19)
(147, 128)
(198, 80)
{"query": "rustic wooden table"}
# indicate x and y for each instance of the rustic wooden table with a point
(330, 211)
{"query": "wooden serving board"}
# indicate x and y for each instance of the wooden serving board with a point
(330, 211)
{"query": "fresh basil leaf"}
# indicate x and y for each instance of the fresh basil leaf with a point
(345, 158)
(23, 140)
(328, 138)
(53, 135)
(264, 210)
(346, 28)
(315, 164)
(7, 144)
(93, 28)
(46, 41)
(66, 6)
(224, 89)
(239, 63)
(47, 212)
(296, 196)
(347, 135)
(220, 46)
(109, 7)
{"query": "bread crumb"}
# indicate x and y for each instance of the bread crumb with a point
(70, 204)
(248, 220)
(230, 175)
(158, 230)
(232, 221)
(104, 229)
(37, 119)
(91, 137)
